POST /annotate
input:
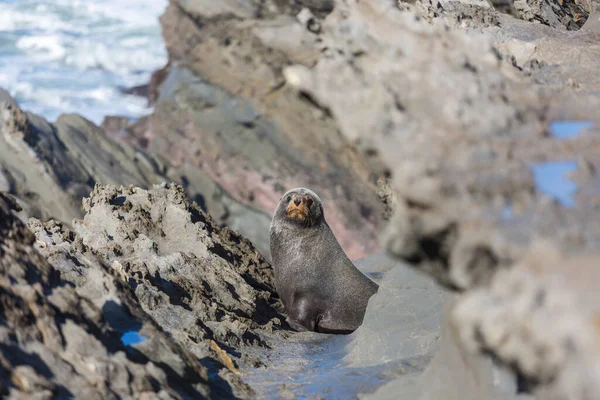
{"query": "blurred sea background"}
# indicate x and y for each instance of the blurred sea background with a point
(63, 56)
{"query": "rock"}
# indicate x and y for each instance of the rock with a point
(562, 14)
(6, 97)
(200, 283)
(156, 81)
(471, 210)
(593, 22)
(436, 116)
(51, 167)
(140, 90)
(151, 90)
(115, 126)
(476, 14)
(401, 321)
(539, 50)
(54, 165)
(238, 123)
(454, 373)
(390, 87)
(539, 316)
(57, 340)
(473, 14)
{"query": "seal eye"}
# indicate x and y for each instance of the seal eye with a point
(309, 202)
(288, 199)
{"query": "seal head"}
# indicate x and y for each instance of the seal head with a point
(300, 206)
(320, 287)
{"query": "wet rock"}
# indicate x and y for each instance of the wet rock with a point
(453, 373)
(398, 336)
(57, 342)
(401, 322)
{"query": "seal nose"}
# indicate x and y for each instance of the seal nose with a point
(297, 202)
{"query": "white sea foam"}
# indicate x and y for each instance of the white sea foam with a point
(61, 56)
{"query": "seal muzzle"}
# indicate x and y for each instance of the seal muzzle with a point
(298, 207)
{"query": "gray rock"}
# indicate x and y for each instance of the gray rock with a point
(451, 100)
(453, 373)
(56, 343)
(5, 96)
(51, 167)
(401, 321)
(593, 21)
(471, 211)
(207, 287)
(253, 136)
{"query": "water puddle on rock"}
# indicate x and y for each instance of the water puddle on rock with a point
(507, 211)
(568, 129)
(130, 338)
(552, 178)
(397, 338)
(310, 366)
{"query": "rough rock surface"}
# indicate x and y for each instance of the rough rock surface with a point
(564, 14)
(59, 340)
(442, 109)
(237, 121)
(51, 167)
(207, 287)
(470, 210)
(557, 14)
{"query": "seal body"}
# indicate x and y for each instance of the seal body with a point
(320, 287)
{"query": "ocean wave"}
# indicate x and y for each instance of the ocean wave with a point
(75, 55)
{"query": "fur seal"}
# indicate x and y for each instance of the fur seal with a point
(321, 289)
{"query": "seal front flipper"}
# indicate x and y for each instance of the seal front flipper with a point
(327, 324)
(301, 316)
